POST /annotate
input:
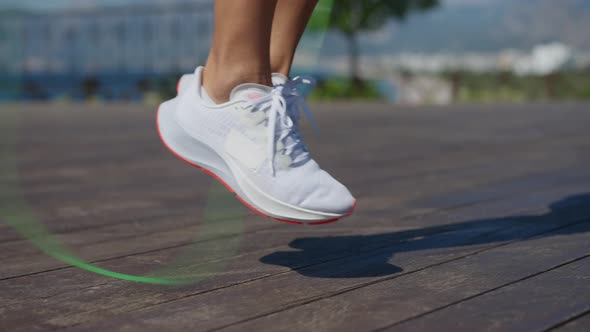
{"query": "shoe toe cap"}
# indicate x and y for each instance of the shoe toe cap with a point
(329, 196)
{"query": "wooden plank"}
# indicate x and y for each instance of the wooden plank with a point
(155, 198)
(534, 304)
(410, 298)
(57, 282)
(144, 194)
(429, 131)
(120, 233)
(106, 243)
(581, 323)
(57, 198)
(280, 291)
(106, 124)
(528, 202)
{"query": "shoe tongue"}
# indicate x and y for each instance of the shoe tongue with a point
(249, 91)
(279, 79)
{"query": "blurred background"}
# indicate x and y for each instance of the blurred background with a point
(437, 52)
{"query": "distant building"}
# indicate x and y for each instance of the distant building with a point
(544, 59)
(423, 90)
(132, 41)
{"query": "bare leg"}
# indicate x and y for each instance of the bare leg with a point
(241, 46)
(290, 19)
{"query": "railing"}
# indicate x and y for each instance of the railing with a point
(133, 39)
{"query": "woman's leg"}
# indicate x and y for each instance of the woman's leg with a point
(252, 144)
(290, 19)
(240, 47)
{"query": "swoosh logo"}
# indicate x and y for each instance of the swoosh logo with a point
(240, 147)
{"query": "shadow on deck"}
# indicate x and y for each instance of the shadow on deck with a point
(506, 229)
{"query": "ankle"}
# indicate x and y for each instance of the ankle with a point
(281, 64)
(220, 82)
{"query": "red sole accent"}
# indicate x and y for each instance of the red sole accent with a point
(323, 222)
(177, 87)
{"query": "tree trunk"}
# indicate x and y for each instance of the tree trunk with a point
(550, 84)
(353, 49)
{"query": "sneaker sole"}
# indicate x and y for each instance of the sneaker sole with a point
(199, 155)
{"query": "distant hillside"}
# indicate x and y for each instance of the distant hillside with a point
(456, 26)
(483, 26)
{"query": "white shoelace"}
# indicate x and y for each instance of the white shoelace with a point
(282, 121)
(292, 90)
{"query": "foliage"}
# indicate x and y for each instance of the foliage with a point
(340, 89)
(320, 20)
(351, 16)
(508, 87)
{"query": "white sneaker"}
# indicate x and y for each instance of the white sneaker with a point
(253, 146)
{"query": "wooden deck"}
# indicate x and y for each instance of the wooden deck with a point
(469, 219)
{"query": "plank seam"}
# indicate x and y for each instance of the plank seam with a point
(569, 320)
(406, 218)
(482, 293)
